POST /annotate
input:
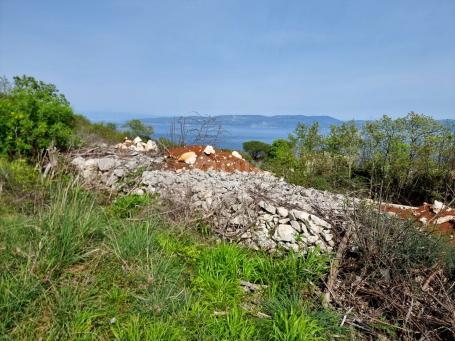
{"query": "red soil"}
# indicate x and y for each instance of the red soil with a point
(222, 161)
(424, 214)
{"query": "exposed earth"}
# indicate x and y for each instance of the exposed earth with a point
(433, 217)
(220, 160)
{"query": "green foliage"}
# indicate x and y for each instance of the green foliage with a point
(166, 143)
(410, 159)
(138, 328)
(90, 133)
(307, 138)
(388, 242)
(126, 206)
(138, 128)
(295, 325)
(234, 326)
(218, 273)
(257, 150)
(78, 270)
(34, 116)
(21, 186)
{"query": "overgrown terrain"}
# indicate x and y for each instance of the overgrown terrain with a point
(83, 264)
(408, 160)
(79, 265)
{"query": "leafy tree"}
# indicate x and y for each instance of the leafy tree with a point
(282, 150)
(409, 159)
(256, 149)
(344, 143)
(138, 128)
(34, 116)
(307, 138)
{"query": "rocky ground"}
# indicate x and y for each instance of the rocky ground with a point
(243, 204)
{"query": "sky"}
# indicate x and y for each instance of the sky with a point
(355, 59)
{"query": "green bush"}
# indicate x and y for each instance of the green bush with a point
(137, 128)
(257, 150)
(34, 116)
(21, 186)
(90, 133)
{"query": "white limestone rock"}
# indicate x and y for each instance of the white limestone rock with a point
(267, 207)
(106, 163)
(151, 146)
(188, 157)
(437, 206)
(282, 212)
(284, 233)
(237, 155)
(208, 150)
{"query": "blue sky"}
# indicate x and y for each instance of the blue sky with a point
(348, 59)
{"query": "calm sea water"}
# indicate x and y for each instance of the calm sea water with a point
(237, 129)
(232, 137)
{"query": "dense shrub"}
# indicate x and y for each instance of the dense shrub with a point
(412, 159)
(34, 116)
(404, 276)
(100, 132)
(256, 149)
(22, 188)
(138, 128)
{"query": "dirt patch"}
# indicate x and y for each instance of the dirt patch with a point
(220, 160)
(442, 222)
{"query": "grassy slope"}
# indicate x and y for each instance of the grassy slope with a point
(74, 268)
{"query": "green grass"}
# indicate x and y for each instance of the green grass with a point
(81, 270)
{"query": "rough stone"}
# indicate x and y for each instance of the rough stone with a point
(237, 155)
(138, 191)
(151, 146)
(188, 157)
(208, 150)
(284, 233)
(437, 206)
(295, 225)
(119, 172)
(444, 219)
(79, 162)
(267, 207)
(106, 164)
(282, 212)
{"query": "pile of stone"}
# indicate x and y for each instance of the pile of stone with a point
(256, 209)
(137, 145)
(286, 216)
(290, 229)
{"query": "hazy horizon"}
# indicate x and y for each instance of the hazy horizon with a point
(122, 116)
